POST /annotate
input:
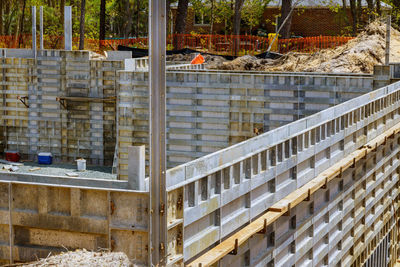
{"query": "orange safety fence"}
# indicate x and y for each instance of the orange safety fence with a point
(215, 44)
(311, 44)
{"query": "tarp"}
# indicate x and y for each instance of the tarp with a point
(137, 52)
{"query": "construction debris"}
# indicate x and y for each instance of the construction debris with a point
(11, 163)
(83, 258)
(10, 168)
(209, 59)
(357, 56)
(62, 169)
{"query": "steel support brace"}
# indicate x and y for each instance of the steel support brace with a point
(387, 48)
(158, 194)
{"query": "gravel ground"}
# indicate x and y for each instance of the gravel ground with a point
(83, 258)
(61, 169)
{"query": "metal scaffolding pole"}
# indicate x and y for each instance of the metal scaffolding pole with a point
(387, 48)
(67, 28)
(34, 31)
(41, 28)
(158, 194)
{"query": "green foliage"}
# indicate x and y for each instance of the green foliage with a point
(253, 11)
(118, 13)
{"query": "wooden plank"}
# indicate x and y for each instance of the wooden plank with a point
(88, 99)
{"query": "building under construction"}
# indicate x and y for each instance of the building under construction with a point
(263, 169)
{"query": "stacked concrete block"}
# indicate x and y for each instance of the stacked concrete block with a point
(208, 110)
(17, 77)
(39, 216)
(45, 113)
(381, 75)
(82, 125)
(341, 224)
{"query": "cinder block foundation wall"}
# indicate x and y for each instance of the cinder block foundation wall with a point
(341, 224)
(40, 215)
(349, 222)
(82, 125)
(208, 111)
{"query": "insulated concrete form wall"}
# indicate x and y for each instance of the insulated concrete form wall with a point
(341, 224)
(39, 215)
(82, 125)
(208, 111)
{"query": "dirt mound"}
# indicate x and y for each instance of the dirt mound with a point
(357, 56)
(241, 63)
(83, 258)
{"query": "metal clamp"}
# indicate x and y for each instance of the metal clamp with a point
(62, 102)
(264, 230)
(23, 100)
(235, 250)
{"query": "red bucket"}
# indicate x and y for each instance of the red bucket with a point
(13, 156)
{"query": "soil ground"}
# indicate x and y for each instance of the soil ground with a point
(357, 56)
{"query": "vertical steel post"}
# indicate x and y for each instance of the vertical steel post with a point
(158, 194)
(34, 31)
(41, 28)
(67, 28)
(387, 50)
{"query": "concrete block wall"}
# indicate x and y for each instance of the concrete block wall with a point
(16, 79)
(78, 128)
(41, 215)
(208, 111)
(342, 224)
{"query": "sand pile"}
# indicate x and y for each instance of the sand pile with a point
(240, 63)
(357, 56)
(83, 258)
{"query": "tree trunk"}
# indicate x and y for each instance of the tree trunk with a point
(168, 10)
(1, 17)
(211, 24)
(285, 12)
(138, 18)
(7, 24)
(237, 16)
(21, 27)
(378, 7)
(353, 10)
(17, 28)
(128, 19)
(212, 17)
(102, 30)
(359, 11)
(236, 25)
(82, 26)
(180, 23)
(345, 14)
(370, 4)
(62, 5)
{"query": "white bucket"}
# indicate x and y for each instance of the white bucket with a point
(81, 164)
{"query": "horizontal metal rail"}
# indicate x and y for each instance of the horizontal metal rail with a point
(284, 206)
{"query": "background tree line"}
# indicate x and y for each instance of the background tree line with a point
(101, 19)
